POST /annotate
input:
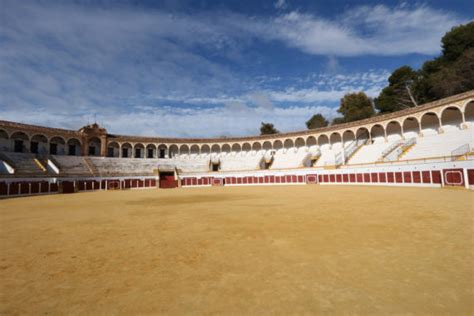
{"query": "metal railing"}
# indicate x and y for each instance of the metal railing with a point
(390, 148)
(398, 151)
(339, 160)
(351, 149)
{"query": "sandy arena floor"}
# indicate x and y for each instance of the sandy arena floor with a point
(241, 250)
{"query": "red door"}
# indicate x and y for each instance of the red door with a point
(167, 181)
(453, 177)
(68, 186)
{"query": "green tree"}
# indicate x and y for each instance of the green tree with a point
(457, 78)
(457, 41)
(316, 121)
(448, 74)
(337, 120)
(356, 106)
(268, 128)
(399, 94)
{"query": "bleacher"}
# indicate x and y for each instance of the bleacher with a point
(327, 158)
(439, 145)
(24, 164)
(370, 152)
(428, 145)
(289, 158)
(189, 164)
(241, 161)
(123, 166)
(72, 165)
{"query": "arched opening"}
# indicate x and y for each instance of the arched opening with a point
(150, 151)
(139, 151)
(162, 151)
(311, 142)
(20, 142)
(300, 144)
(74, 147)
(205, 150)
(411, 128)
(4, 141)
(236, 148)
(348, 137)
(94, 146)
(429, 123)
(195, 150)
(256, 147)
(226, 149)
(335, 140)
(277, 145)
(39, 144)
(57, 146)
(323, 141)
(267, 146)
(377, 133)
(215, 149)
(113, 149)
(183, 150)
(469, 114)
(362, 134)
(127, 150)
(173, 151)
(451, 118)
(288, 144)
(246, 148)
(394, 131)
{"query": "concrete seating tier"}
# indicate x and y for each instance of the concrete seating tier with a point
(289, 158)
(123, 166)
(239, 161)
(371, 152)
(438, 145)
(190, 164)
(327, 158)
(72, 165)
(24, 164)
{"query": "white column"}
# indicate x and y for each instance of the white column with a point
(466, 179)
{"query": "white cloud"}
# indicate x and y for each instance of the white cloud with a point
(261, 99)
(62, 63)
(280, 4)
(230, 120)
(377, 30)
(333, 65)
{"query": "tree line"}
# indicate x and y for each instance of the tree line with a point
(450, 73)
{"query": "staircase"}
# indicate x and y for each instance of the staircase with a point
(390, 149)
(92, 169)
(353, 148)
(405, 148)
(40, 165)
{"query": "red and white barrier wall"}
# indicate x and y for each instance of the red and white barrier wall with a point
(425, 175)
(458, 174)
(19, 187)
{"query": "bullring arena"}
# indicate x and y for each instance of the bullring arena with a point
(368, 217)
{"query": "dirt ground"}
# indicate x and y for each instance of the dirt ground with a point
(241, 250)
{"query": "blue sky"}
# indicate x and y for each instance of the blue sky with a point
(206, 68)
